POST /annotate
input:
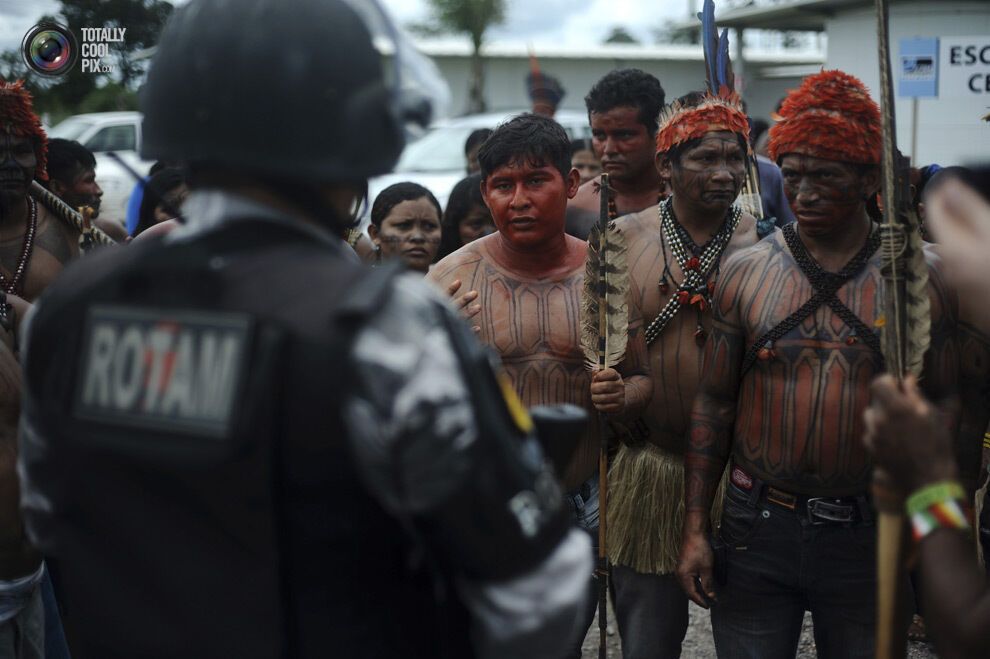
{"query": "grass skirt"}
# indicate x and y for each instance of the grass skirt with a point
(646, 509)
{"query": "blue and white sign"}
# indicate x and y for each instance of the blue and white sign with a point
(965, 69)
(917, 74)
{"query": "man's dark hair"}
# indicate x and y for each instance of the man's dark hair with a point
(581, 144)
(630, 87)
(397, 193)
(530, 138)
(756, 128)
(477, 136)
(158, 186)
(66, 158)
(693, 99)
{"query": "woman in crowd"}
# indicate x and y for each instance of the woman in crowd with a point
(466, 218)
(405, 224)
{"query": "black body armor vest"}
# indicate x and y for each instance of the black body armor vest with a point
(186, 403)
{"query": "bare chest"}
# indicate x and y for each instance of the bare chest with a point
(534, 326)
(36, 260)
(845, 322)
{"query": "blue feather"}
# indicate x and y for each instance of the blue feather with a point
(722, 67)
(709, 43)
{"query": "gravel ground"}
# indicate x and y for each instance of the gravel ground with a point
(698, 643)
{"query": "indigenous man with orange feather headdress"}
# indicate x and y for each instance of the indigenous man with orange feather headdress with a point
(34, 243)
(34, 246)
(793, 349)
(701, 148)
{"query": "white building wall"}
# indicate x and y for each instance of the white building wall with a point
(505, 80)
(950, 130)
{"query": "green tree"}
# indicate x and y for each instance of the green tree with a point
(620, 34)
(473, 18)
(77, 92)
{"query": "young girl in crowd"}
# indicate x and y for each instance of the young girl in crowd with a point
(466, 218)
(405, 223)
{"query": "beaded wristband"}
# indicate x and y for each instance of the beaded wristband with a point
(986, 440)
(940, 515)
(929, 495)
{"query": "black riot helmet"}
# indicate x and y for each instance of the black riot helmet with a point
(315, 91)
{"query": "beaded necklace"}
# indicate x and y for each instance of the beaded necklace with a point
(16, 285)
(700, 265)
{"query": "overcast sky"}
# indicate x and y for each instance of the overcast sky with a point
(550, 22)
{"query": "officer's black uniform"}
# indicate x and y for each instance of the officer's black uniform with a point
(238, 441)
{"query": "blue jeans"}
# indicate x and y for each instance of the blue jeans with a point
(584, 506)
(778, 565)
(652, 613)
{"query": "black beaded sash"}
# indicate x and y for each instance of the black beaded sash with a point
(825, 284)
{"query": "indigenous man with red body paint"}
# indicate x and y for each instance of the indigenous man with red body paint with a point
(680, 245)
(529, 277)
(34, 247)
(787, 371)
(622, 110)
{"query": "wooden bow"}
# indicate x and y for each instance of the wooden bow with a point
(906, 329)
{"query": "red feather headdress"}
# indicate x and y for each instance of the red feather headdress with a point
(18, 118)
(830, 116)
(680, 122)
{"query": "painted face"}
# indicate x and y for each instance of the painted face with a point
(476, 224)
(587, 164)
(17, 164)
(83, 190)
(528, 203)
(624, 143)
(710, 174)
(411, 231)
(824, 194)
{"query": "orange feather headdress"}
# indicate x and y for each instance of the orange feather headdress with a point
(830, 116)
(17, 117)
(680, 122)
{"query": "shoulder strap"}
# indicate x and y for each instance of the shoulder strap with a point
(825, 285)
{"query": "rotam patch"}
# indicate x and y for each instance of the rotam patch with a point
(162, 370)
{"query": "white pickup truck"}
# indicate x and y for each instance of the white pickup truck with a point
(101, 132)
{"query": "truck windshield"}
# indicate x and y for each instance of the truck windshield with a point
(71, 128)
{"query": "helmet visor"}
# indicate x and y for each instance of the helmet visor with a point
(420, 94)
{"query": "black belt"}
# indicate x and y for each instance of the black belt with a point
(818, 510)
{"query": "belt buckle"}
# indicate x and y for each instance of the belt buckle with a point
(823, 511)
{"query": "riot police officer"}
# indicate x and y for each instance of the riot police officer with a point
(239, 442)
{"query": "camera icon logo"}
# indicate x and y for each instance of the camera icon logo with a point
(50, 49)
